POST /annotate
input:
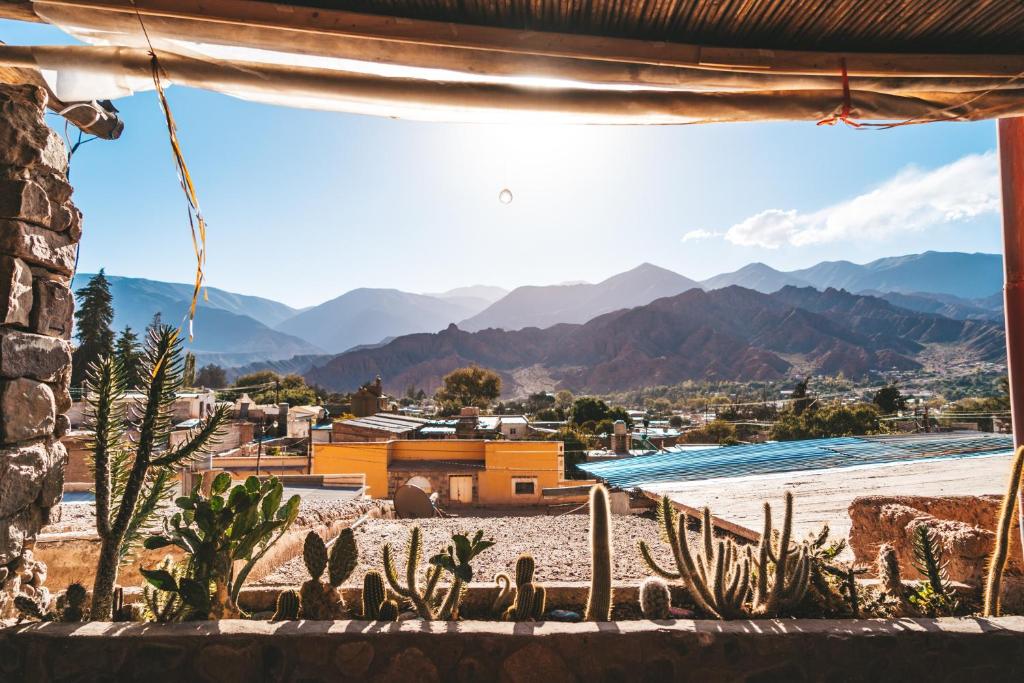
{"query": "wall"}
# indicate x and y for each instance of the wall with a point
(39, 233)
(370, 459)
(975, 649)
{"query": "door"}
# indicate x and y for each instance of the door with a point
(460, 488)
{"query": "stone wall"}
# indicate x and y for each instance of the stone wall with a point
(39, 233)
(789, 650)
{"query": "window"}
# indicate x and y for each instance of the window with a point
(524, 487)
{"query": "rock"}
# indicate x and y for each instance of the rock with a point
(61, 390)
(16, 288)
(29, 410)
(409, 665)
(54, 308)
(52, 250)
(33, 355)
(24, 136)
(22, 469)
(61, 426)
(26, 201)
(53, 480)
(55, 155)
(527, 663)
(15, 530)
(354, 659)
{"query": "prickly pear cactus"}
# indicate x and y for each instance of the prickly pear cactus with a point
(321, 600)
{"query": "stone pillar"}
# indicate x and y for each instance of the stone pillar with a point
(39, 233)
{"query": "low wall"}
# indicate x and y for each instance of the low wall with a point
(428, 652)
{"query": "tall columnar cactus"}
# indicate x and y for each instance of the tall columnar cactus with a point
(655, 598)
(599, 602)
(997, 563)
(717, 576)
(373, 595)
(422, 600)
(530, 599)
(134, 476)
(288, 606)
(788, 564)
(321, 600)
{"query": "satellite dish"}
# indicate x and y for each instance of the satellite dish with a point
(412, 502)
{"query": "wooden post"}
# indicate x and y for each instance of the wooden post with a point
(1011, 168)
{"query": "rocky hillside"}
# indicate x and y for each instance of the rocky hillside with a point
(731, 333)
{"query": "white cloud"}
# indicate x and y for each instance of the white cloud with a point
(911, 201)
(700, 235)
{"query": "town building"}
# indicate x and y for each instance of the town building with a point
(369, 399)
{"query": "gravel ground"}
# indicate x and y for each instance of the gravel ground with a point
(560, 546)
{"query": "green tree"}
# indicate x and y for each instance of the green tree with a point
(155, 324)
(94, 315)
(564, 400)
(716, 431)
(269, 388)
(831, 420)
(801, 399)
(129, 355)
(575, 446)
(676, 421)
(589, 409)
(211, 376)
(889, 399)
(469, 386)
(189, 376)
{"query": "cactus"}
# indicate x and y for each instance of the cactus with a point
(717, 577)
(29, 608)
(891, 581)
(72, 603)
(164, 606)
(788, 566)
(288, 605)
(456, 560)
(506, 594)
(322, 600)
(997, 563)
(599, 601)
(529, 599)
(934, 597)
(655, 598)
(389, 611)
(423, 601)
(373, 595)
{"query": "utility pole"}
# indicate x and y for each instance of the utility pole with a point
(927, 425)
(259, 445)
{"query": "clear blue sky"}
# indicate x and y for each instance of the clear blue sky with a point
(304, 205)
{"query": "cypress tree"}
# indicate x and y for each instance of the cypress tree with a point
(189, 376)
(94, 315)
(129, 353)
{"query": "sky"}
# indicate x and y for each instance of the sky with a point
(303, 206)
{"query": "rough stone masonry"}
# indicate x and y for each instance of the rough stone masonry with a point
(39, 233)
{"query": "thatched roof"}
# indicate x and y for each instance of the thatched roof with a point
(603, 61)
(948, 26)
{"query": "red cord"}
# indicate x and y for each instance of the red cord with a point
(844, 113)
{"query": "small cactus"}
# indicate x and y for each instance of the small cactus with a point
(389, 611)
(891, 581)
(525, 568)
(422, 600)
(655, 598)
(506, 594)
(599, 602)
(529, 599)
(287, 606)
(322, 600)
(373, 595)
(73, 603)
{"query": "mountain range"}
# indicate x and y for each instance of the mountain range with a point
(253, 332)
(733, 333)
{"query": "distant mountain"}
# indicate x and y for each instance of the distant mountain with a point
(946, 304)
(545, 306)
(726, 334)
(969, 276)
(366, 316)
(484, 292)
(222, 333)
(756, 276)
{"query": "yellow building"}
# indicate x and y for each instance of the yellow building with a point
(461, 472)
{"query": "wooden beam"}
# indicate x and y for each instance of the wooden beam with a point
(1011, 172)
(19, 10)
(275, 26)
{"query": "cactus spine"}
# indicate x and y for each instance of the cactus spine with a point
(997, 563)
(422, 600)
(319, 599)
(373, 595)
(655, 598)
(288, 604)
(599, 602)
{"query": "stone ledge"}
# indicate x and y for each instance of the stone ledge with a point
(783, 650)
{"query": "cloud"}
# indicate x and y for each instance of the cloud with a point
(700, 235)
(911, 201)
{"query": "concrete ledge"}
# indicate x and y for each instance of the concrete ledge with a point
(790, 650)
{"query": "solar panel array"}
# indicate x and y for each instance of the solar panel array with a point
(791, 456)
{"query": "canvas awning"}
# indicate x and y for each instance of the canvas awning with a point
(622, 61)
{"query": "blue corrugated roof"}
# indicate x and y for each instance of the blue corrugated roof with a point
(792, 456)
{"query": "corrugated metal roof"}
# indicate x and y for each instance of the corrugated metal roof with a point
(792, 456)
(387, 422)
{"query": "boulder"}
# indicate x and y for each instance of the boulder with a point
(25, 139)
(33, 355)
(53, 309)
(39, 246)
(26, 201)
(28, 410)
(15, 291)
